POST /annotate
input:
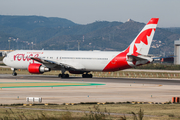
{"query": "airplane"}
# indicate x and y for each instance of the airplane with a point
(83, 62)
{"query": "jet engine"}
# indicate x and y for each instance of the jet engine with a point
(36, 68)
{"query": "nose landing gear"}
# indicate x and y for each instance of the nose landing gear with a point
(14, 74)
(14, 71)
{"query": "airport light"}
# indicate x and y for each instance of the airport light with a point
(32, 45)
(78, 45)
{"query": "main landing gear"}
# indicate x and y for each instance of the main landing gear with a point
(63, 75)
(87, 75)
(14, 71)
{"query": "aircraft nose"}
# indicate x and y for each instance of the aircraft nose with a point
(4, 60)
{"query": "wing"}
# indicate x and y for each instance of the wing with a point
(67, 65)
(43, 61)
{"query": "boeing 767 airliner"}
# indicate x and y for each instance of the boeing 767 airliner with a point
(82, 62)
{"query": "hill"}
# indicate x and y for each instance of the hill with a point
(33, 22)
(116, 37)
(37, 32)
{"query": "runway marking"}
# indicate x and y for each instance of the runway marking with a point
(43, 84)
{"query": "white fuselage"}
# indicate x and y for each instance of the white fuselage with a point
(88, 60)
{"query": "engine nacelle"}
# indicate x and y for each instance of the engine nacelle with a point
(36, 68)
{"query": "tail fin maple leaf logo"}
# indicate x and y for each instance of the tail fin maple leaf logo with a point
(143, 36)
(142, 39)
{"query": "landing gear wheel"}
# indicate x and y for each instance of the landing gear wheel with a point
(87, 75)
(67, 75)
(14, 71)
(90, 75)
(14, 74)
(83, 75)
(63, 75)
(59, 75)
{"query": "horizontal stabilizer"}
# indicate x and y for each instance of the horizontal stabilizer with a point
(133, 58)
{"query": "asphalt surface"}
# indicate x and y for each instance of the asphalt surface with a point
(95, 79)
(113, 90)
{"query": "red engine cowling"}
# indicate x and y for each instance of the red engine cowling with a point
(36, 68)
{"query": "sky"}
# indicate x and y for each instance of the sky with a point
(89, 11)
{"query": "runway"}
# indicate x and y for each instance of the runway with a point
(95, 79)
(103, 90)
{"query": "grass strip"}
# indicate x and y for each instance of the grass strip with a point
(168, 111)
(117, 74)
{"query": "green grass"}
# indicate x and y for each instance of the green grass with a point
(17, 114)
(157, 111)
(158, 66)
(1, 58)
(2, 64)
(150, 109)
